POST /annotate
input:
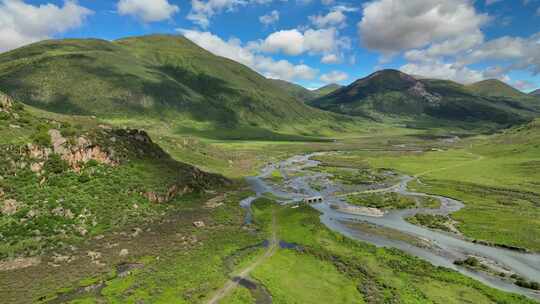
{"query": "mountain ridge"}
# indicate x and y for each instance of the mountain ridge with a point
(394, 94)
(160, 76)
(327, 89)
(495, 88)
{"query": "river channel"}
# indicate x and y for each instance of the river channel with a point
(444, 248)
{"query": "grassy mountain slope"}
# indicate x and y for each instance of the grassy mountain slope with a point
(535, 93)
(500, 92)
(61, 184)
(495, 88)
(391, 94)
(162, 77)
(327, 89)
(303, 94)
(297, 91)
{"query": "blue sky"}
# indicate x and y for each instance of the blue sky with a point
(312, 42)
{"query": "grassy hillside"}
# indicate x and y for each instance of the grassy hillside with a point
(303, 94)
(495, 88)
(166, 78)
(535, 93)
(327, 89)
(297, 91)
(393, 95)
(62, 184)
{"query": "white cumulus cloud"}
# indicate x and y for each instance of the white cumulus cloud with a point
(270, 18)
(294, 42)
(147, 10)
(441, 70)
(334, 76)
(330, 58)
(396, 25)
(234, 50)
(22, 23)
(203, 10)
(335, 18)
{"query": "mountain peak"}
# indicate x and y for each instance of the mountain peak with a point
(381, 81)
(494, 88)
(397, 95)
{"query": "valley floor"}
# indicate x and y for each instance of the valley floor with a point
(171, 259)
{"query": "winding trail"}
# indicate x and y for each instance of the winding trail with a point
(244, 273)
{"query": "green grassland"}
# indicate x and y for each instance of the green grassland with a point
(389, 200)
(239, 296)
(495, 176)
(293, 277)
(355, 272)
(430, 221)
(354, 176)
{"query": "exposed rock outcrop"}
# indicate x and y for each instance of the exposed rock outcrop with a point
(5, 103)
(419, 90)
(19, 263)
(79, 153)
(10, 207)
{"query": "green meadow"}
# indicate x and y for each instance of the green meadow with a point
(355, 272)
(495, 176)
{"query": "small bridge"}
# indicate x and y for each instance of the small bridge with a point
(313, 200)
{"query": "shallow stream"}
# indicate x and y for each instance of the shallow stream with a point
(444, 248)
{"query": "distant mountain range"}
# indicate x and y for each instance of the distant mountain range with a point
(535, 93)
(170, 79)
(303, 94)
(327, 89)
(391, 94)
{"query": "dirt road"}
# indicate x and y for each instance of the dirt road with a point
(244, 273)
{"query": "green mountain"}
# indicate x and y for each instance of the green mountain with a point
(495, 88)
(327, 89)
(82, 181)
(297, 91)
(391, 94)
(303, 94)
(167, 78)
(535, 93)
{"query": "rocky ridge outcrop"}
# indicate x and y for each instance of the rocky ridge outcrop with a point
(81, 152)
(419, 90)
